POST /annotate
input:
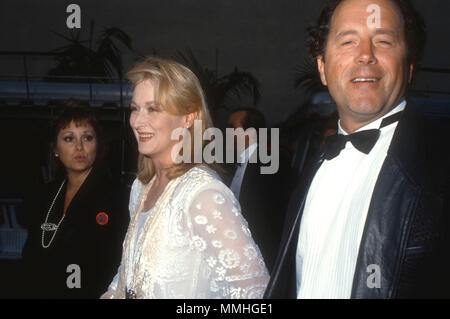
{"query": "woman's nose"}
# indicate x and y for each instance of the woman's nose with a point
(79, 145)
(138, 119)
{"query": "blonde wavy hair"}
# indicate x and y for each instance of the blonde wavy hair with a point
(178, 92)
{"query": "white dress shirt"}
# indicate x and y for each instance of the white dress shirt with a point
(335, 214)
(240, 171)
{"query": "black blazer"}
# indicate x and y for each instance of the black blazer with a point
(81, 239)
(263, 200)
(407, 228)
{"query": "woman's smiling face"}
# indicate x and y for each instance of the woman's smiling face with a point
(151, 125)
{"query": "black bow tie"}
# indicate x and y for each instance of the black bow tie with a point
(363, 141)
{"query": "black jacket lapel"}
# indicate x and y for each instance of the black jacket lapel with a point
(283, 280)
(391, 210)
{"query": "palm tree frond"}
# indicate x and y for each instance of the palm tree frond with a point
(220, 91)
(307, 78)
(79, 57)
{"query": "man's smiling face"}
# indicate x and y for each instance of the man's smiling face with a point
(365, 64)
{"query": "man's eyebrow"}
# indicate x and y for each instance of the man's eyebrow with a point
(345, 33)
(386, 32)
(354, 32)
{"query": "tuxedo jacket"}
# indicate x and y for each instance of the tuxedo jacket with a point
(407, 227)
(84, 238)
(263, 199)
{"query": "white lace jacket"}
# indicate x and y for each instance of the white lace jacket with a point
(195, 244)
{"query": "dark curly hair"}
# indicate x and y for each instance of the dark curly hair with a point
(253, 118)
(414, 29)
(81, 113)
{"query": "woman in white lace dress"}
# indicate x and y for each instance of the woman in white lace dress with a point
(187, 237)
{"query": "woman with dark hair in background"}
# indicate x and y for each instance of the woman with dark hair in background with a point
(76, 222)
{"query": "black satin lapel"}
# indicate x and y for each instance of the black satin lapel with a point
(285, 260)
(384, 242)
(393, 202)
(300, 192)
(408, 143)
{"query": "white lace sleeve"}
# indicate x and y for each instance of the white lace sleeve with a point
(136, 189)
(233, 263)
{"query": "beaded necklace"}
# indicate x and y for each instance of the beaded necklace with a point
(51, 226)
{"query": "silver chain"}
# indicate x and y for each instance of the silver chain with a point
(43, 226)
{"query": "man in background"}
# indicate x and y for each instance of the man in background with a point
(261, 196)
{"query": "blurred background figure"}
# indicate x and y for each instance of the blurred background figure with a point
(262, 197)
(76, 219)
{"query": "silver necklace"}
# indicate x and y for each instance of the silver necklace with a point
(51, 226)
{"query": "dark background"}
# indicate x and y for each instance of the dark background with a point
(263, 37)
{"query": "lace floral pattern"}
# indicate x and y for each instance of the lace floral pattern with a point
(195, 244)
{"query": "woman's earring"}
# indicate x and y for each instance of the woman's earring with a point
(56, 154)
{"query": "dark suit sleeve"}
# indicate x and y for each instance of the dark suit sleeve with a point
(425, 268)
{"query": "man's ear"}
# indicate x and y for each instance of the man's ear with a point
(411, 71)
(321, 67)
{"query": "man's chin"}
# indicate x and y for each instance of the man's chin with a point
(366, 108)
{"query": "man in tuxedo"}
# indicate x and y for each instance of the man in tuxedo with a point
(261, 196)
(370, 216)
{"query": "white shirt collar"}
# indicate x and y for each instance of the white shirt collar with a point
(376, 124)
(245, 155)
